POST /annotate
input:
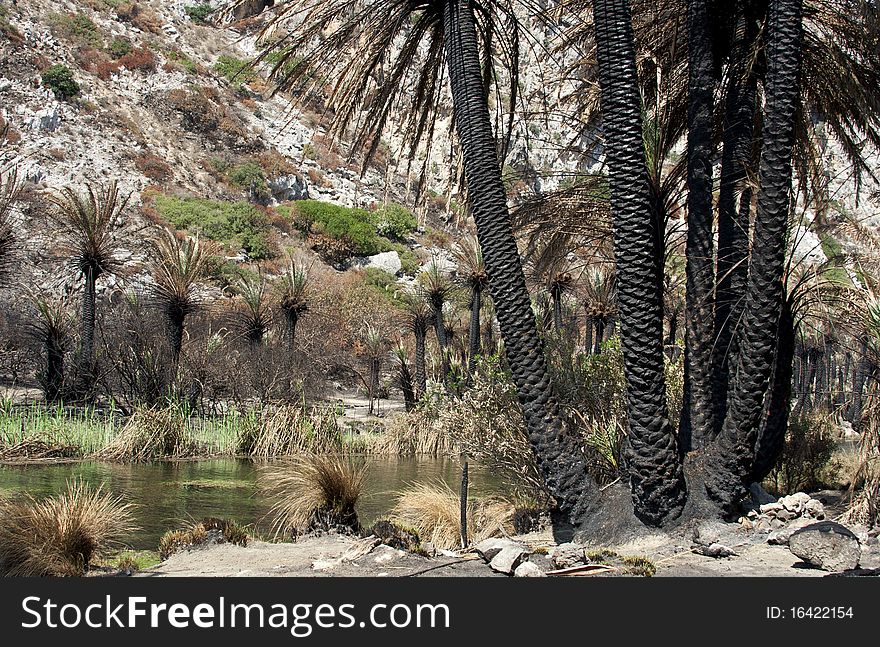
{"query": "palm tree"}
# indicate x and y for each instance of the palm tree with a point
(253, 317)
(293, 297)
(405, 377)
(88, 224)
(399, 41)
(733, 455)
(10, 189)
(178, 266)
(471, 273)
(657, 479)
(418, 319)
(437, 287)
(696, 420)
(598, 295)
(52, 327)
(375, 345)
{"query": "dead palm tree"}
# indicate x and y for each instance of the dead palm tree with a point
(471, 274)
(88, 223)
(597, 293)
(179, 264)
(383, 53)
(293, 297)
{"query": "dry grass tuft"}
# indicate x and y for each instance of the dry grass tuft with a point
(60, 535)
(434, 512)
(315, 491)
(154, 432)
(288, 430)
(208, 530)
(414, 434)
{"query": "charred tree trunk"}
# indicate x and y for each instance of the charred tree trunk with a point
(656, 476)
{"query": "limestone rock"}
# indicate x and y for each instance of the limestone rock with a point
(568, 555)
(289, 187)
(826, 545)
(795, 502)
(507, 560)
(528, 569)
(489, 548)
(386, 261)
(814, 508)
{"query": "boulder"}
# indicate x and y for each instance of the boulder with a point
(489, 548)
(568, 555)
(771, 507)
(760, 496)
(508, 559)
(289, 187)
(826, 545)
(528, 569)
(795, 502)
(386, 261)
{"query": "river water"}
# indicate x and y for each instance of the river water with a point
(170, 494)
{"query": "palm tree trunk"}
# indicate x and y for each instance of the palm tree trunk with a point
(600, 335)
(556, 295)
(737, 159)
(421, 380)
(290, 321)
(588, 335)
(559, 458)
(474, 331)
(175, 324)
(657, 479)
(696, 426)
(771, 438)
(54, 367)
(87, 340)
(731, 460)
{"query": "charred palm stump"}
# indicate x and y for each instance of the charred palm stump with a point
(657, 480)
(557, 453)
(729, 464)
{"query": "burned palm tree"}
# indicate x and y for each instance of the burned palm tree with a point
(382, 54)
(252, 316)
(599, 299)
(293, 298)
(418, 318)
(52, 327)
(10, 189)
(405, 377)
(178, 266)
(437, 287)
(374, 344)
(88, 223)
(471, 274)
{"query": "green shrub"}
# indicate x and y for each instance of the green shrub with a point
(59, 79)
(234, 69)
(395, 222)
(250, 177)
(199, 13)
(354, 226)
(229, 222)
(78, 27)
(119, 47)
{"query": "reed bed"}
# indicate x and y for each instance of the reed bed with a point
(151, 433)
(288, 430)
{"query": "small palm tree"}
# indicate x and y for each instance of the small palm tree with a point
(437, 286)
(178, 266)
(253, 315)
(375, 345)
(52, 327)
(10, 189)
(293, 297)
(471, 273)
(405, 377)
(598, 295)
(419, 316)
(88, 224)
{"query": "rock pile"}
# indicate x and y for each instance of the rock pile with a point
(782, 517)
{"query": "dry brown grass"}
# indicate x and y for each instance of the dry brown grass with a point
(210, 528)
(433, 511)
(59, 536)
(416, 433)
(150, 433)
(864, 505)
(314, 491)
(290, 429)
